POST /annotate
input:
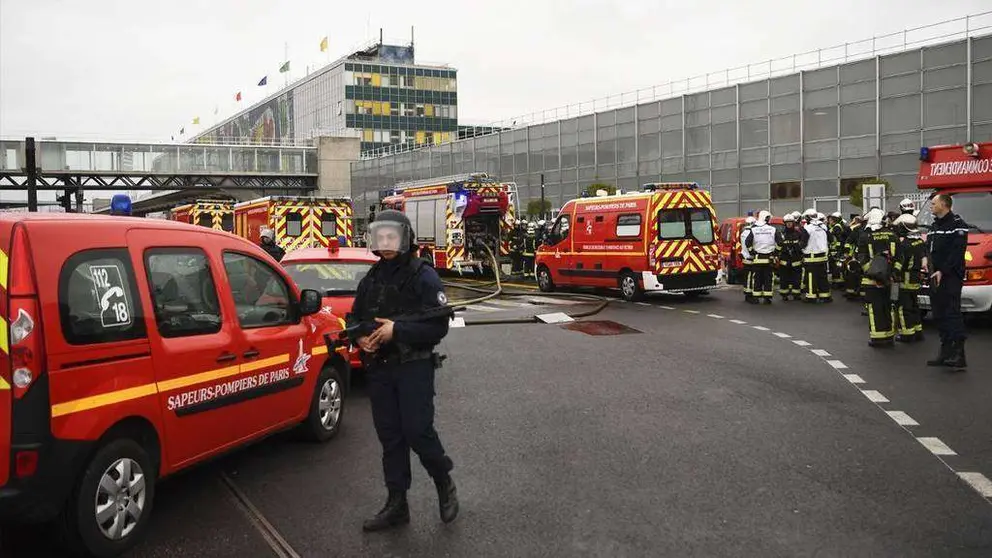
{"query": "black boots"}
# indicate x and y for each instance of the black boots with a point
(955, 358)
(944, 352)
(396, 512)
(447, 498)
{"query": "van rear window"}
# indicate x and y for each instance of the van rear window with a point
(679, 223)
(205, 220)
(294, 224)
(98, 301)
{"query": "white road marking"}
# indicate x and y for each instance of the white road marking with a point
(555, 318)
(875, 396)
(484, 308)
(666, 307)
(838, 365)
(691, 311)
(979, 482)
(854, 378)
(902, 418)
(643, 304)
(782, 335)
(717, 316)
(802, 343)
(738, 322)
(820, 353)
(936, 446)
(761, 328)
(457, 322)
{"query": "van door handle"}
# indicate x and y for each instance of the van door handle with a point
(227, 357)
(251, 353)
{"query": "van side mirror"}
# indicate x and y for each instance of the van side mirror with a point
(310, 302)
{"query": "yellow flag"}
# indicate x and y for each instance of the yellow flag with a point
(323, 44)
(196, 120)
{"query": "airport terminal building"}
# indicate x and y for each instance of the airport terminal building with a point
(784, 142)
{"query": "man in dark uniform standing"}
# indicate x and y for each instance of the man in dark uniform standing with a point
(947, 241)
(400, 314)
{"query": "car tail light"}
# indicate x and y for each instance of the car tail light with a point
(651, 259)
(979, 274)
(26, 463)
(25, 337)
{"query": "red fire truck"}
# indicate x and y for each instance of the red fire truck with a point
(453, 216)
(213, 214)
(965, 172)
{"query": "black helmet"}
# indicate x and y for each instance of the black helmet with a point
(392, 219)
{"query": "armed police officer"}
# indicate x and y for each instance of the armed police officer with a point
(267, 240)
(948, 241)
(399, 316)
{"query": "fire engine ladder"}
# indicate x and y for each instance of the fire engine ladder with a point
(443, 180)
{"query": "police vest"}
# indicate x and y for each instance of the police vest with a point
(390, 297)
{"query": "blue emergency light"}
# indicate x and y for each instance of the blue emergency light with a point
(120, 204)
(924, 153)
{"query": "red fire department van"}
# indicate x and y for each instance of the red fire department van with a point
(730, 245)
(299, 222)
(334, 272)
(213, 214)
(134, 348)
(965, 172)
(660, 240)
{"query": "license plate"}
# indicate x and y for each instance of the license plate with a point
(924, 301)
(674, 263)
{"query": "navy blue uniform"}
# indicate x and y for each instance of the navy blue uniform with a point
(947, 243)
(401, 372)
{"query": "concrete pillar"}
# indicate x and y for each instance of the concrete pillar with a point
(334, 158)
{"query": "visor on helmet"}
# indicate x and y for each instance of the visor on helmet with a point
(389, 235)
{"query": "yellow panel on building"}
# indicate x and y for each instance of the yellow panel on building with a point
(376, 107)
(376, 80)
(419, 140)
(429, 110)
(366, 135)
(386, 108)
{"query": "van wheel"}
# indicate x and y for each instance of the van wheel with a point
(630, 289)
(326, 407)
(110, 507)
(544, 281)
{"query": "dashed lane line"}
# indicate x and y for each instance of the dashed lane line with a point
(666, 307)
(838, 365)
(854, 378)
(801, 343)
(761, 328)
(902, 419)
(936, 446)
(717, 316)
(979, 482)
(691, 311)
(820, 353)
(874, 396)
(781, 335)
(738, 322)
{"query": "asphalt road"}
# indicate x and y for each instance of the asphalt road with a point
(695, 435)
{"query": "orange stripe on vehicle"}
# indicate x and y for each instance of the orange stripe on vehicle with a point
(102, 400)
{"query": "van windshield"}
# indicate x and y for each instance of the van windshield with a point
(679, 223)
(974, 207)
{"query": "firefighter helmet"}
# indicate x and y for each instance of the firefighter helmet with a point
(907, 206)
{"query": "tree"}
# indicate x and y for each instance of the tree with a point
(610, 189)
(534, 208)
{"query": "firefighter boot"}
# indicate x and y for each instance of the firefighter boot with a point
(942, 355)
(447, 498)
(396, 512)
(956, 358)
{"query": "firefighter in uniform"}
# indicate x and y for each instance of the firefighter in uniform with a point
(267, 240)
(392, 322)
(763, 243)
(790, 260)
(530, 249)
(517, 247)
(816, 284)
(852, 271)
(838, 234)
(876, 252)
(947, 242)
(912, 254)
(746, 258)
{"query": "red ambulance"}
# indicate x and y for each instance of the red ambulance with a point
(133, 348)
(964, 172)
(660, 240)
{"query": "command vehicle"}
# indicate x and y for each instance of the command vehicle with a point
(454, 216)
(137, 348)
(660, 240)
(334, 272)
(298, 221)
(730, 245)
(965, 172)
(213, 214)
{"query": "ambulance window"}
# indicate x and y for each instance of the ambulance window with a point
(580, 220)
(671, 224)
(261, 296)
(294, 224)
(702, 226)
(205, 220)
(329, 225)
(183, 293)
(98, 300)
(227, 222)
(560, 229)
(629, 225)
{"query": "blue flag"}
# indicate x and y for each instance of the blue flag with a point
(264, 81)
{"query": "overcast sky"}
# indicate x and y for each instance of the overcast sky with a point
(139, 70)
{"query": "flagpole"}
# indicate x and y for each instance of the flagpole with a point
(286, 58)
